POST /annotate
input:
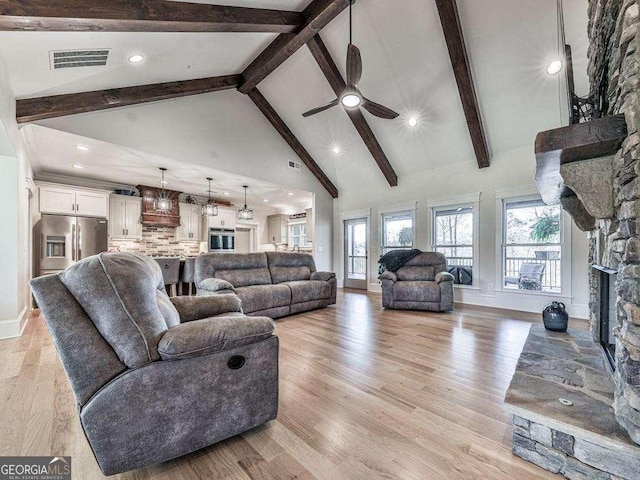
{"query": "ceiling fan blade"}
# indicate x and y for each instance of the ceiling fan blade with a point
(354, 65)
(378, 110)
(321, 109)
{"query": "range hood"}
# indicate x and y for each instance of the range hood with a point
(152, 217)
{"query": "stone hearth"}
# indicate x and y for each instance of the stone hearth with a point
(580, 441)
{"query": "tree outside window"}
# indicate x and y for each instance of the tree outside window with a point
(453, 232)
(532, 246)
(397, 231)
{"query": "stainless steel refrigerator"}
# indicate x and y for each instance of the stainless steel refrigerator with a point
(64, 240)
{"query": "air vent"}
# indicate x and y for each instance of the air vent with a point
(295, 165)
(78, 58)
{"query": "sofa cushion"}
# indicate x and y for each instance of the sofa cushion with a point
(262, 297)
(290, 266)
(307, 290)
(410, 274)
(429, 259)
(241, 277)
(209, 335)
(118, 292)
(208, 264)
(417, 291)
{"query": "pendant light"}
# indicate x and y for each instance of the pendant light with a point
(245, 213)
(162, 203)
(210, 209)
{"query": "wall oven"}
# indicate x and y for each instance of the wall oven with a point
(222, 240)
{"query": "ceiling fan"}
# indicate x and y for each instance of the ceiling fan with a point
(351, 97)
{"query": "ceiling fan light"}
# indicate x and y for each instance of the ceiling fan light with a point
(351, 100)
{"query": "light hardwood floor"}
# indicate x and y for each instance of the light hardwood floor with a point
(364, 394)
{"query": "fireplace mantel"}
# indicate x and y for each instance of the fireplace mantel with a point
(574, 167)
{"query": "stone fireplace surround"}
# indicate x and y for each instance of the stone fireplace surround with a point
(598, 183)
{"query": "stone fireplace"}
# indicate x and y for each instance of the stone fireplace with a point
(592, 169)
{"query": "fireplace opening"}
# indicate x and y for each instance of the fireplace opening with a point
(606, 311)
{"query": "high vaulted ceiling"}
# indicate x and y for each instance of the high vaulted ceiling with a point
(406, 67)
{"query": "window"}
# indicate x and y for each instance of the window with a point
(298, 235)
(397, 231)
(453, 237)
(532, 246)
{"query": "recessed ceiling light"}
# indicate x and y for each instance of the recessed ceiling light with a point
(265, 200)
(136, 58)
(84, 148)
(554, 67)
(336, 150)
(290, 194)
(77, 165)
(413, 121)
(163, 182)
(226, 193)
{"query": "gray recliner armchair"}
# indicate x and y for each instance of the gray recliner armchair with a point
(156, 378)
(422, 283)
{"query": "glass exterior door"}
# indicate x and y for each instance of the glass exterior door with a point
(356, 253)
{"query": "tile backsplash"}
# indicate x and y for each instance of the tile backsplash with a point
(156, 241)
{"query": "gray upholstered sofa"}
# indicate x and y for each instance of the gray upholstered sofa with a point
(270, 283)
(422, 283)
(155, 378)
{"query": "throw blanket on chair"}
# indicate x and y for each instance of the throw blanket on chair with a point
(395, 259)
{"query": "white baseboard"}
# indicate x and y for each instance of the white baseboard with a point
(14, 327)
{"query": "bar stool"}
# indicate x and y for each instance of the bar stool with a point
(188, 275)
(170, 272)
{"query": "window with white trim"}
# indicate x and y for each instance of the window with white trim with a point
(397, 231)
(532, 245)
(298, 235)
(453, 232)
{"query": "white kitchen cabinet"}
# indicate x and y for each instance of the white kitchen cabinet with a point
(190, 222)
(124, 217)
(64, 200)
(226, 219)
(277, 227)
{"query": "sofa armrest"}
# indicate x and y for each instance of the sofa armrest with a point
(387, 275)
(211, 335)
(215, 285)
(444, 277)
(195, 308)
(324, 276)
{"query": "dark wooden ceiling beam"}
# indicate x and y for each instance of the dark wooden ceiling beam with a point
(141, 16)
(450, 20)
(317, 14)
(40, 108)
(267, 110)
(334, 77)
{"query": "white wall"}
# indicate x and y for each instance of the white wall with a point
(15, 223)
(511, 169)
